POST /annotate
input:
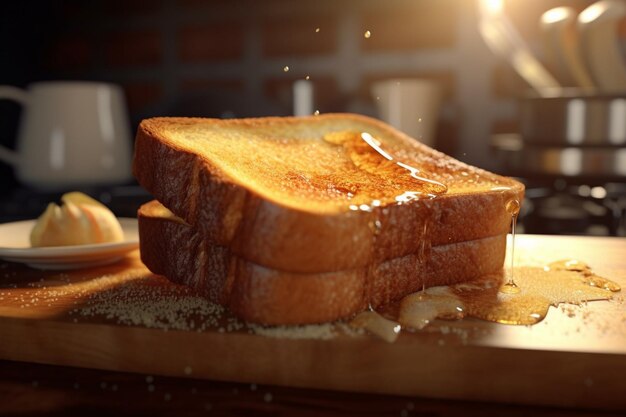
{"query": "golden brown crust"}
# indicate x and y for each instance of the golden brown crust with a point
(263, 295)
(266, 232)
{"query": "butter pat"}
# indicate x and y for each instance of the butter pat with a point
(80, 220)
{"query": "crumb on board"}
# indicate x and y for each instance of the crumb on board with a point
(137, 303)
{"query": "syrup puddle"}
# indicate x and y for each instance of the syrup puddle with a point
(567, 281)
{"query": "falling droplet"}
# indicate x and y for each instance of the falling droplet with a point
(316, 113)
(307, 78)
(286, 68)
(317, 30)
(419, 120)
(367, 34)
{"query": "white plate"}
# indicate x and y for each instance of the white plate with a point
(15, 247)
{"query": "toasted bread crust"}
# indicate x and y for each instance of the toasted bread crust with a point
(268, 233)
(263, 295)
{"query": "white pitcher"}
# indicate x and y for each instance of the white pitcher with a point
(71, 134)
(411, 105)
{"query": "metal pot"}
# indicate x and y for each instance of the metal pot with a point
(574, 118)
(523, 158)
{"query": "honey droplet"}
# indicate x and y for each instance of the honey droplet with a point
(367, 34)
(337, 138)
(307, 78)
(286, 68)
(378, 325)
(316, 113)
(588, 277)
(407, 196)
(317, 30)
(568, 265)
(599, 282)
(512, 207)
(419, 309)
(510, 288)
(375, 226)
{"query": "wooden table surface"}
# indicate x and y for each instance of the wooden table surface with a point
(575, 362)
(45, 390)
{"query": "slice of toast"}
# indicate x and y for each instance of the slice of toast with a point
(317, 194)
(183, 254)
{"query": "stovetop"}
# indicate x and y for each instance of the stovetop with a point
(563, 207)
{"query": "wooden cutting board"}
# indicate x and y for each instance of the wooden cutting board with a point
(123, 318)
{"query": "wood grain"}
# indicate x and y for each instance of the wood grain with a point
(577, 361)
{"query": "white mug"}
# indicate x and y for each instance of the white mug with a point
(72, 133)
(411, 105)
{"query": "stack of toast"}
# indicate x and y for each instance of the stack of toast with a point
(310, 219)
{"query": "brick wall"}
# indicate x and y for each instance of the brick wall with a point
(168, 52)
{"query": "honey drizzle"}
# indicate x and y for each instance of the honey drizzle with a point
(510, 287)
(487, 298)
(365, 152)
(425, 247)
(434, 187)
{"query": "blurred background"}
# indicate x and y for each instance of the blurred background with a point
(241, 58)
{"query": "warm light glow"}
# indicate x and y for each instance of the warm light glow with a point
(492, 34)
(526, 64)
(598, 192)
(571, 161)
(557, 14)
(592, 12)
(492, 7)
